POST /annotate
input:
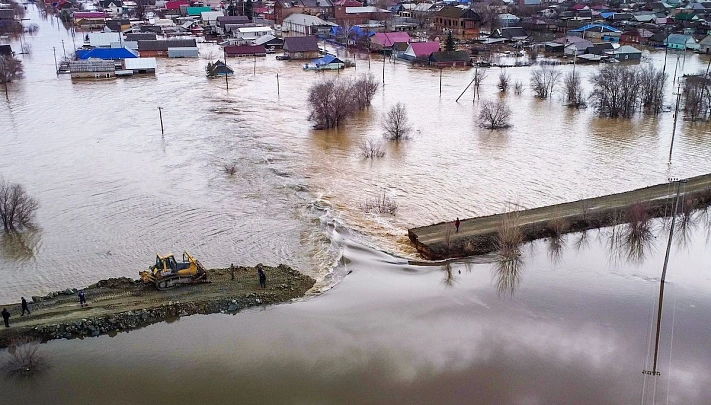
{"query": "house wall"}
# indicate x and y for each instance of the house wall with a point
(92, 75)
(460, 27)
(303, 55)
(448, 64)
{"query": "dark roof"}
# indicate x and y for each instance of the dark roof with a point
(300, 44)
(219, 67)
(245, 50)
(5, 50)
(232, 19)
(456, 12)
(450, 56)
(7, 14)
(599, 49)
(511, 32)
(164, 44)
(141, 36)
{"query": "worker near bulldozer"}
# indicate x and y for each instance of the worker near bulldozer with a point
(262, 278)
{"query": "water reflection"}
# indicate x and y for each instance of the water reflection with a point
(20, 246)
(507, 275)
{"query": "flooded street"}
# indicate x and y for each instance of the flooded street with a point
(114, 191)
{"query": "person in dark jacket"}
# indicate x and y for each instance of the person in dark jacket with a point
(262, 278)
(25, 307)
(457, 223)
(82, 298)
(6, 317)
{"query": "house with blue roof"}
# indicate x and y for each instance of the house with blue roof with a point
(597, 31)
(106, 53)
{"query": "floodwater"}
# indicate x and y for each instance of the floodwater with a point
(114, 191)
(579, 329)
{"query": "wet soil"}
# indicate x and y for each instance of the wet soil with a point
(122, 304)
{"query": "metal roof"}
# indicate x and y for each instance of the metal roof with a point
(140, 63)
(106, 53)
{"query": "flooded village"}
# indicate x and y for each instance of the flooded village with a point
(461, 202)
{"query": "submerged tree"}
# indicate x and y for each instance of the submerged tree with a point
(652, 82)
(10, 69)
(395, 123)
(17, 208)
(544, 80)
(616, 91)
(504, 80)
(697, 99)
(334, 100)
(574, 96)
(494, 115)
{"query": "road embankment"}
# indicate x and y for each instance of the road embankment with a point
(122, 304)
(480, 235)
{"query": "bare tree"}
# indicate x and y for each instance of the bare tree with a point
(696, 98)
(504, 80)
(574, 96)
(544, 80)
(364, 89)
(518, 87)
(334, 100)
(17, 209)
(652, 83)
(372, 148)
(479, 76)
(10, 69)
(381, 204)
(616, 91)
(395, 123)
(494, 115)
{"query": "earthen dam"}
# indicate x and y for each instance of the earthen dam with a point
(480, 235)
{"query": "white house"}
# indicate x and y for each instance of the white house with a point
(305, 24)
(210, 17)
(103, 39)
(252, 33)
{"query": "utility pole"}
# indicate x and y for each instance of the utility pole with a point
(63, 49)
(227, 83)
(56, 69)
(277, 84)
(440, 80)
(676, 114)
(160, 114)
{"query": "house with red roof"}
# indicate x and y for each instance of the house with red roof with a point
(90, 20)
(385, 40)
(175, 4)
(420, 50)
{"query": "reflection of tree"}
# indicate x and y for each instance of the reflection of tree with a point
(507, 274)
(18, 246)
(556, 243)
(449, 276)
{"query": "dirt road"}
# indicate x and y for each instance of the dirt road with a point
(122, 304)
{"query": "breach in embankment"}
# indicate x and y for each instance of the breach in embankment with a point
(123, 304)
(481, 235)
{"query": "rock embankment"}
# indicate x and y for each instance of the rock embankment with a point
(123, 304)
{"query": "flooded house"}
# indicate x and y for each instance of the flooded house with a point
(160, 47)
(420, 50)
(92, 69)
(140, 65)
(301, 47)
(245, 50)
(450, 59)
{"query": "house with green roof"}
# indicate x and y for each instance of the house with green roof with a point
(197, 11)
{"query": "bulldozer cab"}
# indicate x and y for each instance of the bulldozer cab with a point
(168, 264)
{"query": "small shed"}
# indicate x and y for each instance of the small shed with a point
(626, 52)
(450, 58)
(140, 65)
(245, 50)
(183, 52)
(218, 68)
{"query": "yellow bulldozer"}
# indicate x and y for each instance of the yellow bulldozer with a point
(168, 272)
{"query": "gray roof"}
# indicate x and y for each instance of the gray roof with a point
(300, 44)
(164, 44)
(140, 36)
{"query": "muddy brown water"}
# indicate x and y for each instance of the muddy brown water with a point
(113, 192)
